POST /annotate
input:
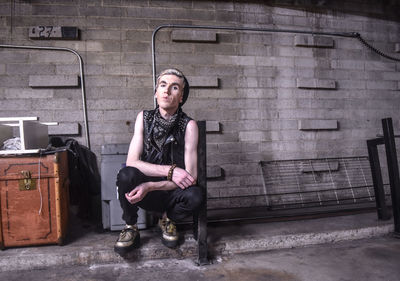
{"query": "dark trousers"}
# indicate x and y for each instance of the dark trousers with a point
(177, 203)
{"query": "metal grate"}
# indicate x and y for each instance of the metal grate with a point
(317, 182)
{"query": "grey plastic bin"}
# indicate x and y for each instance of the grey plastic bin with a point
(113, 158)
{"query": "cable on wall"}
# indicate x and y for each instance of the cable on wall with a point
(231, 28)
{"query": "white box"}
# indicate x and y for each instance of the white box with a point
(33, 134)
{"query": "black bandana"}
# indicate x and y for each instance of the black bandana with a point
(162, 128)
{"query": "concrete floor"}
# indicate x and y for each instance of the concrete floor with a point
(87, 246)
(364, 259)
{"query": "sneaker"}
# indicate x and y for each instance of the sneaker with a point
(169, 236)
(128, 239)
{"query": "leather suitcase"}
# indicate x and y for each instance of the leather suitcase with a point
(34, 199)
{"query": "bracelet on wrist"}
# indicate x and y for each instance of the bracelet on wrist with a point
(170, 172)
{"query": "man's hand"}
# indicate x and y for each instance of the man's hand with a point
(137, 194)
(182, 178)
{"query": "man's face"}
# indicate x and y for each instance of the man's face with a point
(169, 92)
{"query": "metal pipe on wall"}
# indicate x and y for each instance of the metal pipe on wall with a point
(82, 80)
(250, 29)
(232, 28)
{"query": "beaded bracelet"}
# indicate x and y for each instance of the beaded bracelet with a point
(170, 172)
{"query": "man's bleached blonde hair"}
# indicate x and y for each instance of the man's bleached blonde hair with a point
(172, 71)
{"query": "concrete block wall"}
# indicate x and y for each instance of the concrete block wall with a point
(266, 96)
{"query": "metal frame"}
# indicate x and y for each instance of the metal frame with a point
(82, 80)
(200, 218)
(233, 28)
(381, 207)
(388, 140)
(290, 187)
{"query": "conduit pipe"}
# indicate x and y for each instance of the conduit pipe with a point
(82, 80)
(231, 28)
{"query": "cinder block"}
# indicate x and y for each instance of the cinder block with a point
(236, 60)
(203, 82)
(282, 20)
(53, 80)
(213, 127)
(232, 181)
(53, 57)
(253, 136)
(230, 147)
(317, 124)
(397, 48)
(314, 41)
(107, 81)
(348, 64)
(72, 69)
(307, 83)
(223, 159)
(194, 35)
(352, 84)
(250, 147)
(26, 93)
(380, 66)
(16, 105)
(214, 172)
(323, 166)
(95, 46)
(101, 34)
(180, 59)
(21, 68)
(212, 192)
(213, 49)
(278, 61)
(61, 10)
(214, 94)
(305, 62)
(381, 85)
(12, 56)
(389, 76)
(65, 129)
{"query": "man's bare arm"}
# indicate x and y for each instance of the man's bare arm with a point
(136, 150)
(191, 142)
(140, 191)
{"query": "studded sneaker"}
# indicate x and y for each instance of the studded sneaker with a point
(128, 239)
(169, 235)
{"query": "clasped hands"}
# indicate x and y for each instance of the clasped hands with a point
(180, 177)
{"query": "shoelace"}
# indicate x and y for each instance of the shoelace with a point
(124, 232)
(170, 227)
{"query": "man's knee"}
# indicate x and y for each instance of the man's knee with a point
(195, 196)
(126, 178)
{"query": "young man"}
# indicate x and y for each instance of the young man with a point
(161, 167)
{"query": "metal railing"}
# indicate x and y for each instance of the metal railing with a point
(388, 140)
(82, 79)
(293, 184)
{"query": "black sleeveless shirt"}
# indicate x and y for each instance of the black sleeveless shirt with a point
(172, 151)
